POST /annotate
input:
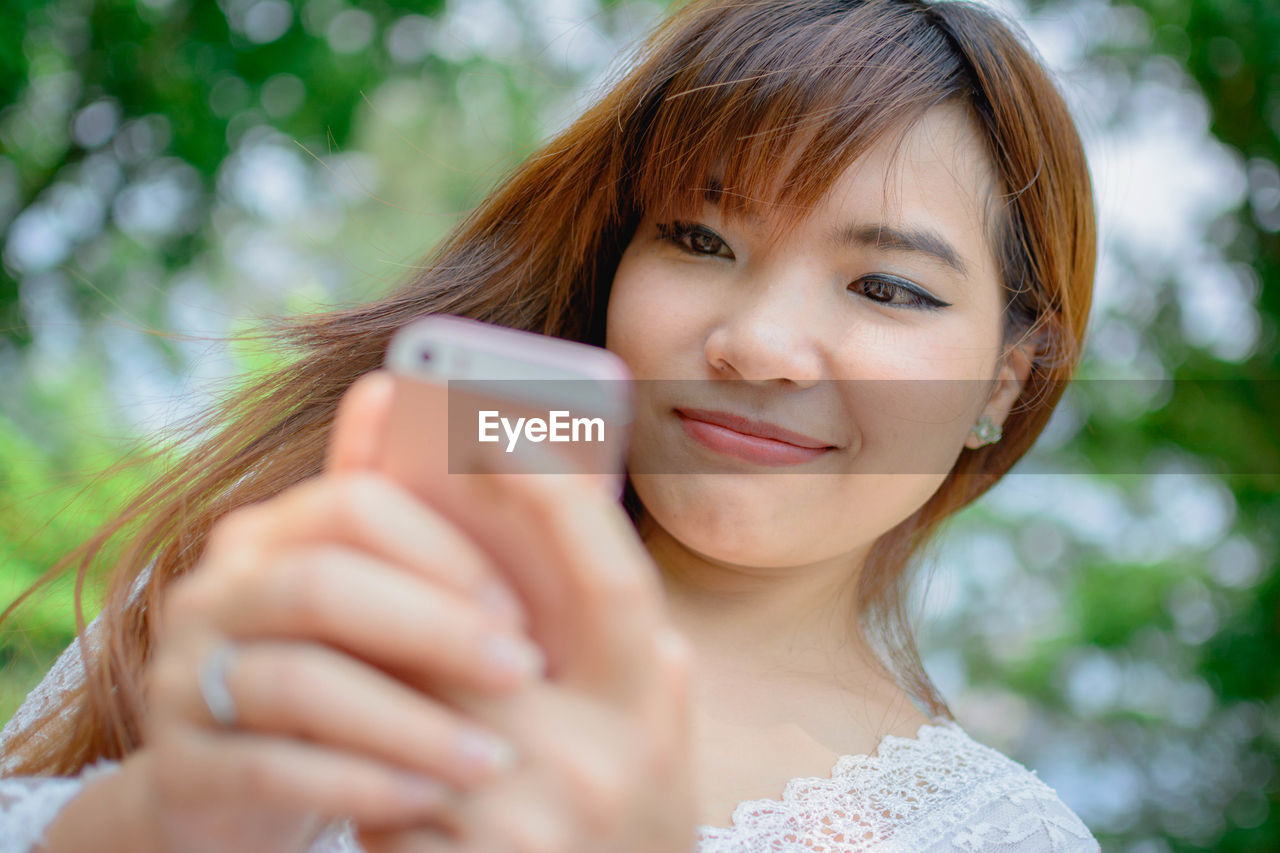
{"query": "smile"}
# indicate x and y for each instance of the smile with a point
(751, 441)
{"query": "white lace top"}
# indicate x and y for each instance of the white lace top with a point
(939, 791)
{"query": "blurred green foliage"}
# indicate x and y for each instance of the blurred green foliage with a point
(1226, 414)
(49, 503)
(113, 108)
(190, 78)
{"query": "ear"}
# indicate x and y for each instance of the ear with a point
(358, 423)
(1011, 376)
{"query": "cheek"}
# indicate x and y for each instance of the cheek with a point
(952, 346)
(913, 407)
(626, 314)
(918, 388)
(910, 418)
(648, 321)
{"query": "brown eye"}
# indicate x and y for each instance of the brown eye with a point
(896, 293)
(879, 291)
(694, 239)
(707, 244)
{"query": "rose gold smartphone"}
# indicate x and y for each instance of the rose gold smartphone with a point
(469, 396)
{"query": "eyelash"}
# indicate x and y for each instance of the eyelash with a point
(681, 234)
(678, 232)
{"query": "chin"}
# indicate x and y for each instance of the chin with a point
(743, 519)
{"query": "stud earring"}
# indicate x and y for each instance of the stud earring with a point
(986, 431)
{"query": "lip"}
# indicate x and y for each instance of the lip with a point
(755, 441)
(760, 429)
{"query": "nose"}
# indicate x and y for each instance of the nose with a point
(773, 334)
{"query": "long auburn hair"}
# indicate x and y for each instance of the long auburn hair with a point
(723, 87)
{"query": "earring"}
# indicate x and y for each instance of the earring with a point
(986, 431)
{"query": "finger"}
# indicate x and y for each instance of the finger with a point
(669, 712)
(612, 600)
(585, 752)
(321, 696)
(358, 423)
(247, 774)
(371, 513)
(409, 841)
(544, 459)
(526, 819)
(374, 611)
(359, 428)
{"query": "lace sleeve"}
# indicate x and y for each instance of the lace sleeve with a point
(66, 674)
(1032, 820)
(28, 805)
(939, 792)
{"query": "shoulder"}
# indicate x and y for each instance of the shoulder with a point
(980, 799)
(939, 791)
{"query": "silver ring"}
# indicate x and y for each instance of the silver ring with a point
(212, 678)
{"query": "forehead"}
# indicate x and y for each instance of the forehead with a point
(935, 174)
(937, 167)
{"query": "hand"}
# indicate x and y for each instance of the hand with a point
(604, 741)
(348, 602)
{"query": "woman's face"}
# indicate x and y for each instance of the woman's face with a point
(873, 329)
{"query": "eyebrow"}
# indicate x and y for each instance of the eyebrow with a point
(923, 241)
(888, 237)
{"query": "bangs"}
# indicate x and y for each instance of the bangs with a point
(767, 103)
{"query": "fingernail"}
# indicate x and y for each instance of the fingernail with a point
(477, 747)
(498, 600)
(508, 655)
(421, 792)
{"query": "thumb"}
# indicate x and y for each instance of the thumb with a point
(359, 422)
(672, 700)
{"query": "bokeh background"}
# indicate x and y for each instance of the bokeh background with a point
(173, 171)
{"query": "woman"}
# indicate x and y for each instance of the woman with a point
(780, 200)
